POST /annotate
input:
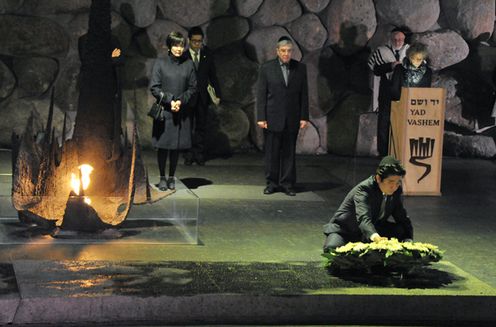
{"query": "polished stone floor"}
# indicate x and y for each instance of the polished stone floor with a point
(238, 224)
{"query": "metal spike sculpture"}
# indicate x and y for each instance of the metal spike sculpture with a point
(42, 170)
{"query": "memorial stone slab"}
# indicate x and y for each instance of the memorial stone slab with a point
(472, 19)
(23, 36)
(445, 47)
(246, 8)
(350, 24)
(34, 75)
(276, 12)
(308, 31)
(139, 13)
(226, 30)
(8, 81)
(419, 16)
(189, 13)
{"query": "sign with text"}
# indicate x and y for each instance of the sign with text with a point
(416, 138)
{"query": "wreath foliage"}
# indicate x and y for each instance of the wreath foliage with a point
(388, 254)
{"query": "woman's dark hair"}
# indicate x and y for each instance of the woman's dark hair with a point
(389, 166)
(174, 39)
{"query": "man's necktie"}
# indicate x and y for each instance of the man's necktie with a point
(397, 55)
(285, 73)
(195, 59)
(382, 211)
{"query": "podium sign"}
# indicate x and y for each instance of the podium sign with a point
(416, 138)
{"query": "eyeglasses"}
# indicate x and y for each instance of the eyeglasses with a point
(196, 41)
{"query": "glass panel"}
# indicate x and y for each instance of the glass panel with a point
(172, 220)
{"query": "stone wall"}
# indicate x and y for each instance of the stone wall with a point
(39, 50)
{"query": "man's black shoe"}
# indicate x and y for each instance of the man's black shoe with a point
(269, 190)
(289, 191)
(188, 161)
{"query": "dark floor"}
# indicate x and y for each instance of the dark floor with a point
(236, 218)
(237, 223)
(462, 221)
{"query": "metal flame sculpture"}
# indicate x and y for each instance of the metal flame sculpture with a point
(42, 168)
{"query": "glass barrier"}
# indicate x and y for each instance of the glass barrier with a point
(171, 220)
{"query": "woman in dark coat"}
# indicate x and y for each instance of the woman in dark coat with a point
(413, 72)
(173, 81)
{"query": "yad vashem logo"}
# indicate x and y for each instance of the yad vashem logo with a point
(422, 149)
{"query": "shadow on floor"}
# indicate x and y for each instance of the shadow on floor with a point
(129, 228)
(33, 232)
(423, 277)
(312, 187)
(194, 182)
(8, 283)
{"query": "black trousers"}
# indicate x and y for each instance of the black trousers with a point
(280, 164)
(383, 125)
(199, 123)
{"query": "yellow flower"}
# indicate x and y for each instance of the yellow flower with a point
(345, 248)
(360, 247)
(378, 246)
(408, 253)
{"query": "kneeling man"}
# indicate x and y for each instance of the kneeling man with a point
(363, 215)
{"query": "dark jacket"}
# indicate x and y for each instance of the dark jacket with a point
(176, 79)
(205, 73)
(359, 212)
(280, 105)
(399, 80)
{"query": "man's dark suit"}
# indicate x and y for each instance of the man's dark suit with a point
(205, 74)
(282, 107)
(358, 217)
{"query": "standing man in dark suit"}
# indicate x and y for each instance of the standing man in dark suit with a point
(205, 75)
(282, 109)
(363, 214)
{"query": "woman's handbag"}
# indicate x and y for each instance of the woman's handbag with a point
(156, 111)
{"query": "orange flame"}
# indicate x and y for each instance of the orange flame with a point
(75, 183)
(82, 181)
(85, 175)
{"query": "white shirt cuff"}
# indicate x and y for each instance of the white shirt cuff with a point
(373, 236)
